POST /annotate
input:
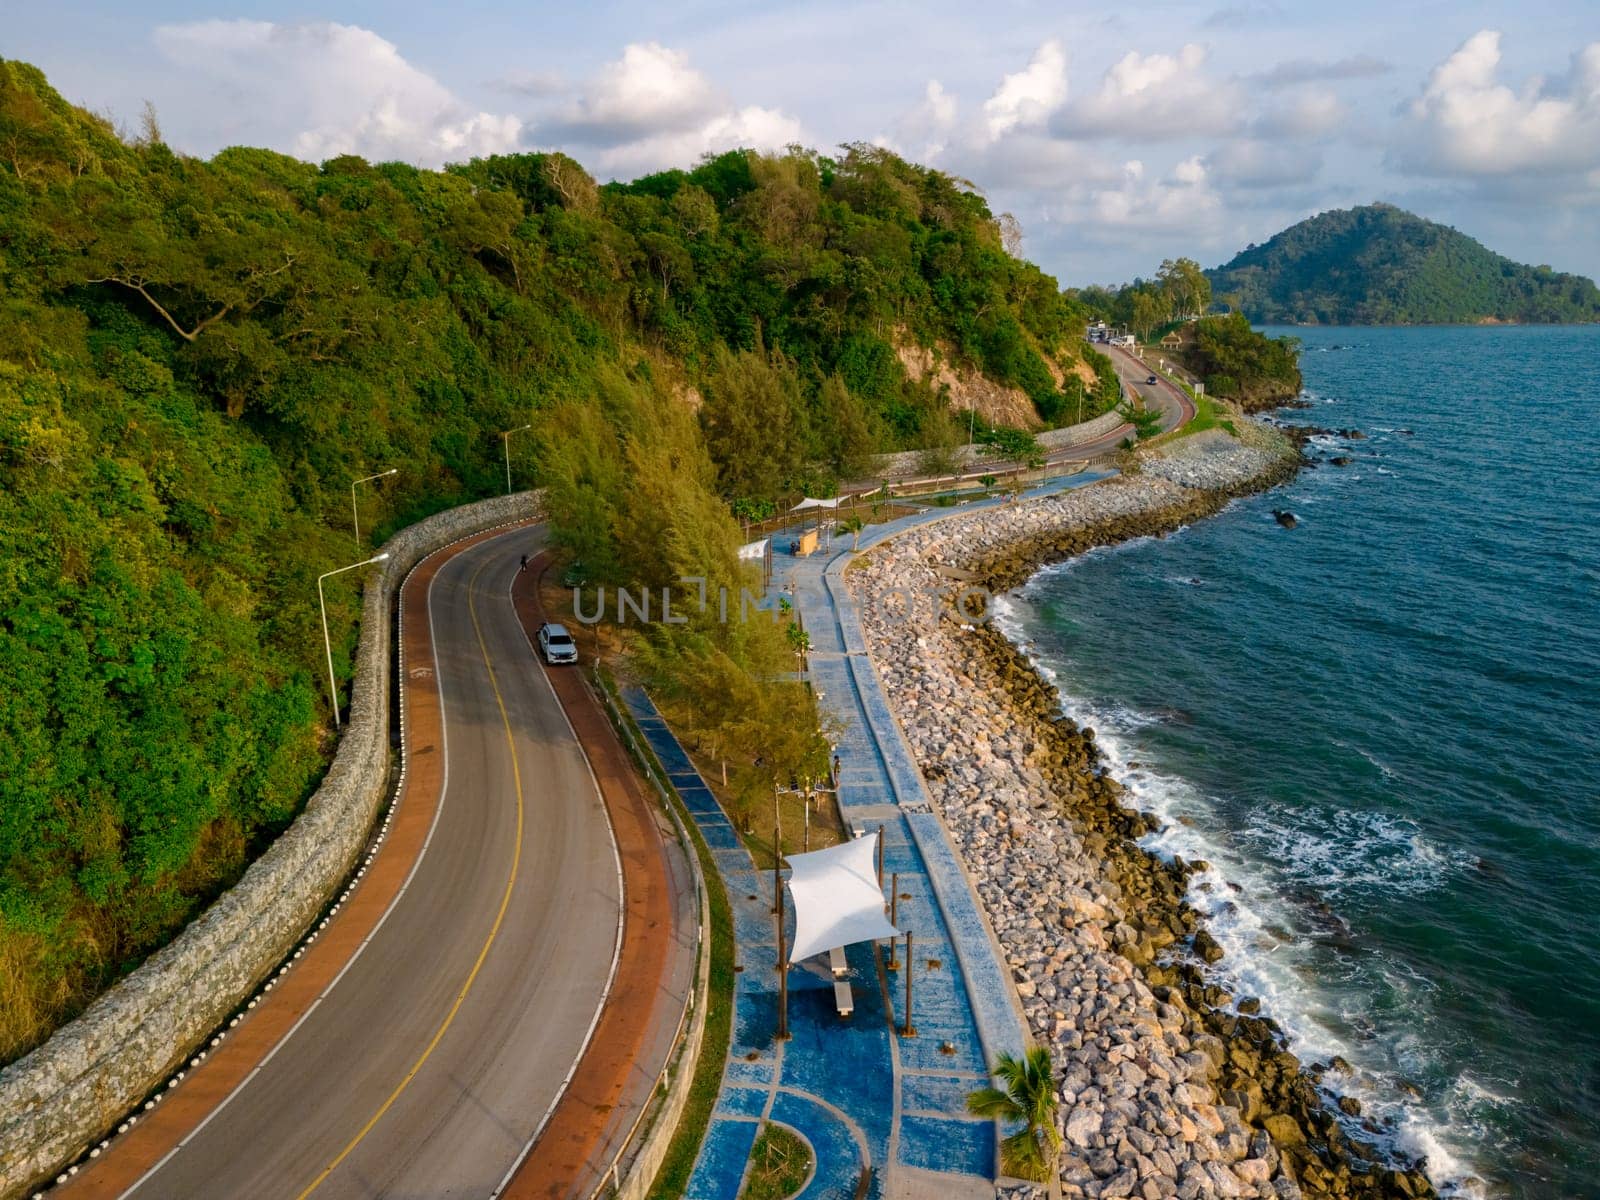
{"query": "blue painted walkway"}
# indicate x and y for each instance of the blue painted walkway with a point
(856, 1090)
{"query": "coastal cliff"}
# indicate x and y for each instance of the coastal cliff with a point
(1168, 1085)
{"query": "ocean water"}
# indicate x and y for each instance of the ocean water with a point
(1380, 729)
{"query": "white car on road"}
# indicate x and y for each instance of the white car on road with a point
(556, 644)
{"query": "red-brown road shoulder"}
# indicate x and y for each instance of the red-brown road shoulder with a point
(618, 1072)
(209, 1085)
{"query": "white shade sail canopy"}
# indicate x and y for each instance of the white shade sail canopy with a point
(836, 898)
(813, 502)
(754, 550)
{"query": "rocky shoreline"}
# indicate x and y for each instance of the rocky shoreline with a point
(1168, 1085)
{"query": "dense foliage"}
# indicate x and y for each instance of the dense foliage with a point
(1379, 265)
(1240, 363)
(1179, 292)
(197, 358)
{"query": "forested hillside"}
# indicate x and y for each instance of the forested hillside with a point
(1380, 265)
(198, 357)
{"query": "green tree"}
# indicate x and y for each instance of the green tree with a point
(754, 422)
(844, 428)
(1148, 310)
(1026, 1097)
(1015, 445)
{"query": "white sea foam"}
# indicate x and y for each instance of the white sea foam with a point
(1241, 896)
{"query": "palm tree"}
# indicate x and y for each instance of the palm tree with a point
(853, 525)
(1029, 1100)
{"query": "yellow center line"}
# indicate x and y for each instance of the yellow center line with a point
(505, 903)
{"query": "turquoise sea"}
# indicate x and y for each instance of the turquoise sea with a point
(1380, 728)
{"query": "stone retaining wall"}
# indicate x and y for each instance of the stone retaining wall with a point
(1077, 435)
(906, 463)
(56, 1101)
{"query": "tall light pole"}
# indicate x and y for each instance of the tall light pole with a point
(505, 439)
(327, 644)
(355, 516)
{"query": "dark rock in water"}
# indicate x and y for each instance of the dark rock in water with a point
(1354, 435)
(1406, 432)
(1350, 1106)
(1250, 1006)
(1341, 460)
(1206, 947)
(1340, 1064)
(1285, 518)
(1410, 1089)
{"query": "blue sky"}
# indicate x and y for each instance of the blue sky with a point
(1117, 136)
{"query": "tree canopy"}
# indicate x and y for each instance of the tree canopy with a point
(197, 357)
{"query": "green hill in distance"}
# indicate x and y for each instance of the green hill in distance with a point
(1380, 265)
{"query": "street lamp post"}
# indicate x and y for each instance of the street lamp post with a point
(355, 515)
(909, 1030)
(894, 918)
(505, 439)
(327, 644)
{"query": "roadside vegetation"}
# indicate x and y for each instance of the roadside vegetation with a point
(1238, 363)
(1208, 414)
(199, 357)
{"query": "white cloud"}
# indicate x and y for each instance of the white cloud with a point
(320, 90)
(1242, 16)
(537, 84)
(651, 109)
(1153, 97)
(1026, 98)
(1303, 70)
(651, 89)
(1467, 122)
(1254, 164)
(1183, 200)
(923, 132)
(1308, 113)
(752, 127)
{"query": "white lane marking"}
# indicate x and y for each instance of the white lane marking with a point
(622, 904)
(444, 788)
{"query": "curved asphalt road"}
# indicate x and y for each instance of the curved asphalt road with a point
(520, 874)
(1176, 407)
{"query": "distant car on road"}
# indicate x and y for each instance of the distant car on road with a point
(556, 644)
(1152, 379)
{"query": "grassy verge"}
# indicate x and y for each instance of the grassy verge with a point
(780, 1163)
(672, 1180)
(1208, 414)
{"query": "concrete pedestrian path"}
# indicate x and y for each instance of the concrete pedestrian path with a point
(857, 1090)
